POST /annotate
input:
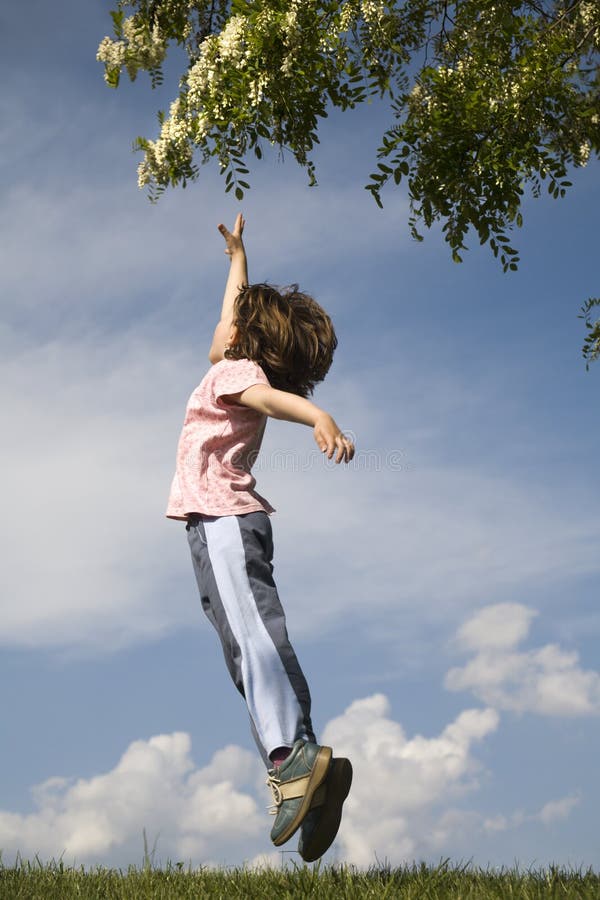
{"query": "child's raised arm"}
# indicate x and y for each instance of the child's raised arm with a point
(238, 270)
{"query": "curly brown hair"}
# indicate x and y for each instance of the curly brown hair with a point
(287, 333)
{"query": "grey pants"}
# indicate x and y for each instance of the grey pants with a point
(232, 558)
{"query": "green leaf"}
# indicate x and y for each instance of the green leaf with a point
(375, 195)
(117, 17)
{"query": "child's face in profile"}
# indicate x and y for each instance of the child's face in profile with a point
(225, 333)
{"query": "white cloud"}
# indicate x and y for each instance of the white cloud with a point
(190, 814)
(496, 823)
(265, 861)
(551, 812)
(403, 804)
(398, 806)
(88, 555)
(496, 627)
(547, 681)
(558, 810)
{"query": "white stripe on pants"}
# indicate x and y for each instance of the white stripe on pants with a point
(278, 716)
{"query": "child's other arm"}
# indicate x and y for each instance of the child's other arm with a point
(283, 405)
(238, 269)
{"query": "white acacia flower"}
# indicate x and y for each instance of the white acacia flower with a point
(144, 174)
(202, 73)
(420, 95)
(287, 66)
(348, 16)
(111, 53)
(291, 21)
(201, 127)
(257, 88)
(584, 153)
(373, 12)
(147, 48)
(327, 45)
(232, 41)
(590, 15)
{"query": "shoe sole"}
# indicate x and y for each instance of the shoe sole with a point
(317, 777)
(337, 789)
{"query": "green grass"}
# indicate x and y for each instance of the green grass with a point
(57, 882)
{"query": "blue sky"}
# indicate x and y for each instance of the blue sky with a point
(441, 592)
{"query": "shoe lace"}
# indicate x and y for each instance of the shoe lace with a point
(273, 783)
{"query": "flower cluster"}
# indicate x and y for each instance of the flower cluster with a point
(589, 12)
(202, 74)
(142, 47)
(233, 43)
(112, 54)
(584, 153)
(207, 99)
(172, 146)
(146, 48)
(348, 15)
(373, 12)
(236, 72)
(292, 36)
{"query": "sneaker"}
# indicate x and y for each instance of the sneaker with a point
(294, 783)
(322, 822)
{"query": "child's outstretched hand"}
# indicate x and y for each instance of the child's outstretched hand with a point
(329, 438)
(233, 239)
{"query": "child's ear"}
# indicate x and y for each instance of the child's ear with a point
(233, 336)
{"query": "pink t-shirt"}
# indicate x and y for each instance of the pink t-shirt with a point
(218, 445)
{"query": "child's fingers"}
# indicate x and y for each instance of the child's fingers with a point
(233, 239)
(345, 449)
(229, 238)
(327, 445)
(239, 225)
(337, 445)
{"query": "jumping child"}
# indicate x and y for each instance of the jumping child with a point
(268, 352)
